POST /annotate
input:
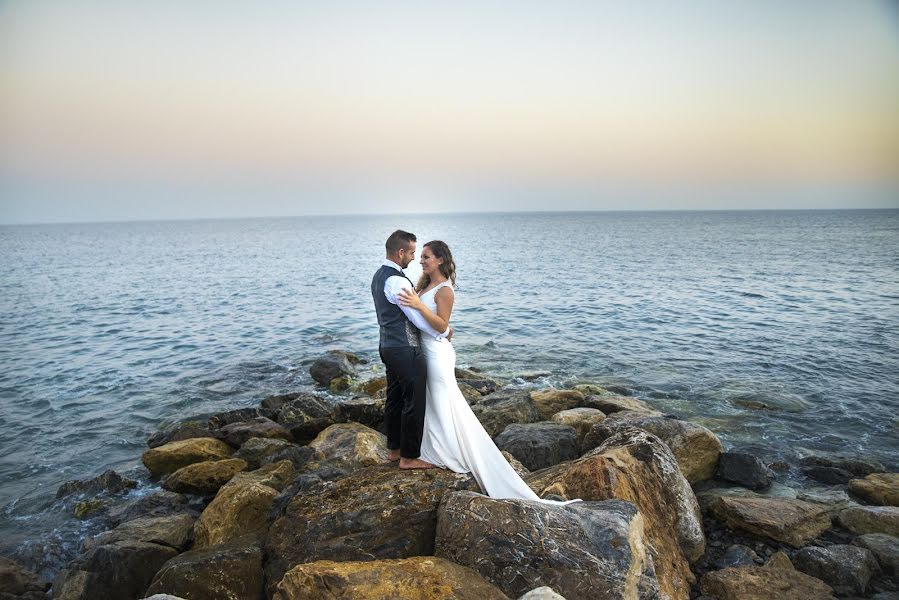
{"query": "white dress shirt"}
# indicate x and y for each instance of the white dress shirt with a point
(397, 283)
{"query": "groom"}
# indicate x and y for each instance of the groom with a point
(400, 349)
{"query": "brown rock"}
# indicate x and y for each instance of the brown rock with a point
(581, 419)
(877, 488)
(274, 475)
(504, 407)
(174, 531)
(792, 522)
(519, 468)
(204, 478)
(353, 444)
(613, 404)
(417, 578)
(373, 386)
(117, 571)
(237, 510)
(260, 427)
(549, 402)
(174, 455)
(18, 581)
(871, 519)
(776, 580)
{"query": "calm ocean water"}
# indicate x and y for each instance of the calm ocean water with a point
(108, 330)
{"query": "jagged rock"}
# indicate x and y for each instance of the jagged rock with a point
(174, 455)
(542, 593)
(695, 448)
(777, 579)
(417, 578)
(329, 367)
(877, 488)
(582, 419)
(361, 409)
(117, 571)
(351, 444)
(539, 445)
(299, 456)
(178, 432)
(158, 504)
(584, 550)
(174, 531)
(504, 407)
(236, 511)
(274, 475)
(847, 569)
(614, 404)
(549, 402)
(638, 467)
(17, 581)
(227, 571)
(871, 519)
(375, 513)
(204, 478)
(109, 482)
(519, 468)
(744, 469)
(261, 427)
(271, 405)
(737, 555)
(884, 547)
(238, 415)
(306, 416)
(792, 522)
(257, 451)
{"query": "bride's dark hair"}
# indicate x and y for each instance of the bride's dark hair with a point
(447, 267)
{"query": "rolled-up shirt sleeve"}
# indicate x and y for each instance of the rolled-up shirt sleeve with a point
(392, 287)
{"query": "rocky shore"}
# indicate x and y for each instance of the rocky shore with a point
(296, 499)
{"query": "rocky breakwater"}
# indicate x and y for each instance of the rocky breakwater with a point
(296, 498)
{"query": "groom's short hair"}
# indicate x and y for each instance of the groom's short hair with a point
(398, 240)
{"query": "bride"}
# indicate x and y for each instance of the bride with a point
(453, 438)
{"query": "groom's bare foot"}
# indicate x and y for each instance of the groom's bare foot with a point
(415, 463)
(393, 455)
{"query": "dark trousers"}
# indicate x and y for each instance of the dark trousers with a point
(404, 411)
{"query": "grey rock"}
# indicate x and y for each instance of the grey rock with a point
(847, 569)
(257, 451)
(157, 504)
(745, 470)
(109, 482)
(737, 555)
(329, 367)
(236, 434)
(539, 445)
(18, 582)
(884, 547)
(831, 475)
(306, 416)
(117, 571)
(239, 415)
(504, 407)
(361, 409)
(174, 531)
(178, 432)
(859, 467)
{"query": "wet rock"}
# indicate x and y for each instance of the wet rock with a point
(373, 386)
(351, 444)
(542, 593)
(271, 405)
(777, 579)
(504, 407)
(859, 467)
(614, 404)
(361, 409)
(109, 482)
(744, 469)
(829, 475)
(306, 416)
(17, 581)
(178, 432)
(877, 488)
(174, 455)
(174, 531)
(884, 547)
(274, 475)
(549, 402)
(695, 448)
(238, 415)
(583, 550)
(539, 445)
(329, 367)
(204, 478)
(299, 456)
(89, 508)
(847, 569)
(871, 519)
(417, 578)
(471, 373)
(157, 504)
(789, 521)
(231, 570)
(117, 571)
(236, 434)
(638, 467)
(835, 499)
(582, 419)
(738, 555)
(590, 389)
(482, 385)
(257, 451)
(519, 468)
(375, 513)
(236, 511)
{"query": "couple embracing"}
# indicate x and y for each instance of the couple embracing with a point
(429, 424)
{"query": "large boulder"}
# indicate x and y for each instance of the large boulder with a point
(330, 367)
(237, 415)
(226, 571)
(745, 470)
(583, 550)
(375, 513)
(786, 520)
(472, 395)
(158, 504)
(539, 445)
(259, 451)
(306, 416)
(174, 455)
(877, 488)
(260, 427)
(549, 402)
(204, 478)
(847, 569)
(117, 571)
(871, 519)
(351, 444)
(609, 404)
(695, 448)
(174, 531)
(275, 475)
(361, 409)
(180, 431)
(417, 578)
(17, 581)
(884, 547)
(109, 482)
(638, 467)
(582, 419)
(236, 511)
(504, 407)
(777, 579)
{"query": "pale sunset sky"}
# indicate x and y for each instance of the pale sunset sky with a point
(118, 109)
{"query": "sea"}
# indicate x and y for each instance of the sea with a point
(775, 329)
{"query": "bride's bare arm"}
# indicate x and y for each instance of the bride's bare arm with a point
(444, 299)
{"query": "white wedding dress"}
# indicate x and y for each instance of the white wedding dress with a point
(453, 438)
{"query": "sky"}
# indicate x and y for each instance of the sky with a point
(119, 109)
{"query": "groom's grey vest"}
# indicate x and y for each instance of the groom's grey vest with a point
(396, 330)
